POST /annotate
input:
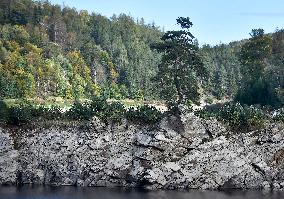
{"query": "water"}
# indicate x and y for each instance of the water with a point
(105, 193)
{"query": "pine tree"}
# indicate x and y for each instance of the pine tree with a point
(181, 64)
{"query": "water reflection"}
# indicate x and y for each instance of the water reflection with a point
(45, 192)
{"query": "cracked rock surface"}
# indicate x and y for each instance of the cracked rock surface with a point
(178, 153)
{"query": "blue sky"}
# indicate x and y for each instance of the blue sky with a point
(214, 21)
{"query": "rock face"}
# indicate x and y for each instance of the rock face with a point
(179, 153)
(8, 159)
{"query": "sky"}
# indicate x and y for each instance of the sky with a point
(215, 21)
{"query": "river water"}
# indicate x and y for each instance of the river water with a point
(27, 192)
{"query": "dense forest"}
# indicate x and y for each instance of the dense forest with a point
(48, 50)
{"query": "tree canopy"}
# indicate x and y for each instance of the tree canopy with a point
(52, 51)
(180, 66)
(48, 50)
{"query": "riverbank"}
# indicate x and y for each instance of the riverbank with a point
(184, 152)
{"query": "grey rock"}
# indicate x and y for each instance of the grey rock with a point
(181, 152)
(8, 159)
(265, 185)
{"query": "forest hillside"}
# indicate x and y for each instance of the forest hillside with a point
(52, 51)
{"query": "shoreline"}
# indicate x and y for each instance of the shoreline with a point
(178, 153)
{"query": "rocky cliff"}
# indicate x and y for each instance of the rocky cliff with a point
(178, 153)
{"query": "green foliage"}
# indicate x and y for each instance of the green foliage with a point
(82, 111)
(255, 93)
(240, 118)
(223, 68)
(98, 107)
(209, 100)
(180, 66)
(23, 111)
(124, 92)
(53, 112)
(136, 94)
(17, 114)
(144, 114)
(253, 57)
(111, 91)
(46, 50)
(114, 112)
(4, 112)
(20, 114)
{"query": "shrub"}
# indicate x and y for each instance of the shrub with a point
(51, 113)
(146, 114)
(21, 113)
(24, 112)
(98, 107)
(114, 111)
(80, 111)
(4, 112)
(236, 116)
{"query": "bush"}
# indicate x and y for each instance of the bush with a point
(25, 112)
(236, 116)
(145, 114)
(114, 111)
(52, 113)
(259, 92)
(4, 112)
(21, 113)
(80, 111)
(98, 107)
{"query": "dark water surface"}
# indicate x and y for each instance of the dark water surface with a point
(27, 192)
